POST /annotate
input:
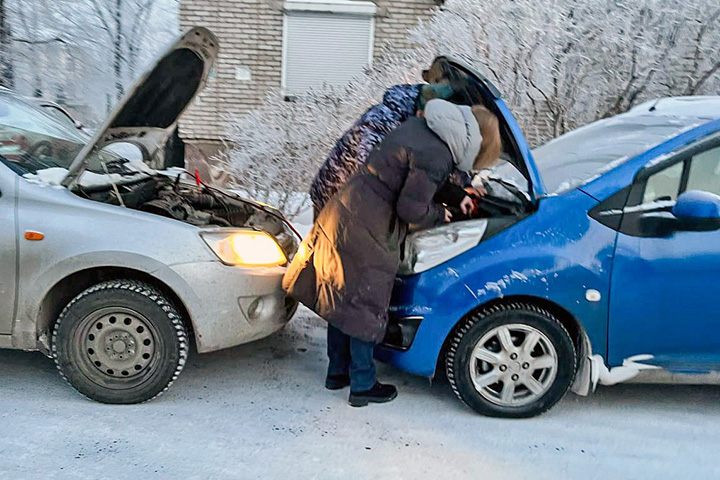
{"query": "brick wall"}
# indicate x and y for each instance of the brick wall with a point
(394, 18)
(250, 35)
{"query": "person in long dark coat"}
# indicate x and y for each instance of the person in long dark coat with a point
(399, 103)
(345, 268)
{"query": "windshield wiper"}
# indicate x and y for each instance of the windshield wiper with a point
(13, 166)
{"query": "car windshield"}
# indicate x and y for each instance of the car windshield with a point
(576, 157)
(31, 140)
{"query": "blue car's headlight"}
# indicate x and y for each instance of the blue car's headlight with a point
(428, 248)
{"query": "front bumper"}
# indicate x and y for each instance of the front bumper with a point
(230, 306)
(405, 345)
(415, 336)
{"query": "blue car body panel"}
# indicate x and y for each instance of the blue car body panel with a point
(557, 253)
(664, 299)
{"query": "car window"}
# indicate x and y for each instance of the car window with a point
(664, 185)
(15, 114)
(705, 171)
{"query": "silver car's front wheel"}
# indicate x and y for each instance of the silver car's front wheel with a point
(511, 360)
(120, 342)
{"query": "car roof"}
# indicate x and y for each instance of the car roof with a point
(700, 117)
(696, 107)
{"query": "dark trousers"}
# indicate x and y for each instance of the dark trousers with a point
(351, 356)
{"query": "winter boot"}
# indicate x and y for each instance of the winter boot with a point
(379, 393)
(337, 382)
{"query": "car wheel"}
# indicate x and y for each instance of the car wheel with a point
(120, 341)
(512, 361)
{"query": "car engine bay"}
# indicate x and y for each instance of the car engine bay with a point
(193, 203)
(503, 199)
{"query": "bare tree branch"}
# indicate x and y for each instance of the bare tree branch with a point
(101, 16)
(39, 42)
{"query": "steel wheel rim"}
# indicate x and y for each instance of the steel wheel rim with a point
(118, 347)
(513, 365)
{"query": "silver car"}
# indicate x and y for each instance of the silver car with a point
(111, 266)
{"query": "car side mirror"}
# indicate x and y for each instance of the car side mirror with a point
(694, 211)
(697, 206)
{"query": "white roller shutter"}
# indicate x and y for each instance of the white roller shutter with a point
(324, 47)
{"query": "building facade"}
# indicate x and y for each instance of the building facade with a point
(290, 45)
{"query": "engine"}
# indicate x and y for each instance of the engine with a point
(198, 205)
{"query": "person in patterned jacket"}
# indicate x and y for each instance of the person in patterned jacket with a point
(399, 103)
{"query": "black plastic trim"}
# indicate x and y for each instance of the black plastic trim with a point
(401, 331)
(610, 211)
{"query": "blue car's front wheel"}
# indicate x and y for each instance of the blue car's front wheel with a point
(514, 360)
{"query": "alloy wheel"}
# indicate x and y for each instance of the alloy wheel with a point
(513, 365)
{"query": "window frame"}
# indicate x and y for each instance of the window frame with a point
(617, 211)
(684, 156)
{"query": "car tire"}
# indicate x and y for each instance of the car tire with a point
(120, 342)
(511, 360)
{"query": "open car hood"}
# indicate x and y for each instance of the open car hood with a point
(515, 145)
(147, 114)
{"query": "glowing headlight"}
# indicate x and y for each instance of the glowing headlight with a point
(245, 247)
(429, 248)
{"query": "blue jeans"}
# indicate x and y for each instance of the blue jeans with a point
(351, 356)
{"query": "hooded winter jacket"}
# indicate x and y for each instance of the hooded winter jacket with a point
(345, 268)
(352, 149)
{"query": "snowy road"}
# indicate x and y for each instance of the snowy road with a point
(259, 411)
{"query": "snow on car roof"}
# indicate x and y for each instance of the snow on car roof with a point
(581, 155)
(700, 106)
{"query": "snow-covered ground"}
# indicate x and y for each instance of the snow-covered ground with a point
(260, 411)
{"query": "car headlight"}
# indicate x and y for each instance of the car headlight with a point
(250, 248)
(429, 248)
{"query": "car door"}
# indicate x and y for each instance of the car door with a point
(665, 287)
(8, 249)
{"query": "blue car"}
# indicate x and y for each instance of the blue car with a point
(594, 259)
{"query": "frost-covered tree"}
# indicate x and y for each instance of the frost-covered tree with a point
(125, 24)
(560, 64)
(83, 52)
